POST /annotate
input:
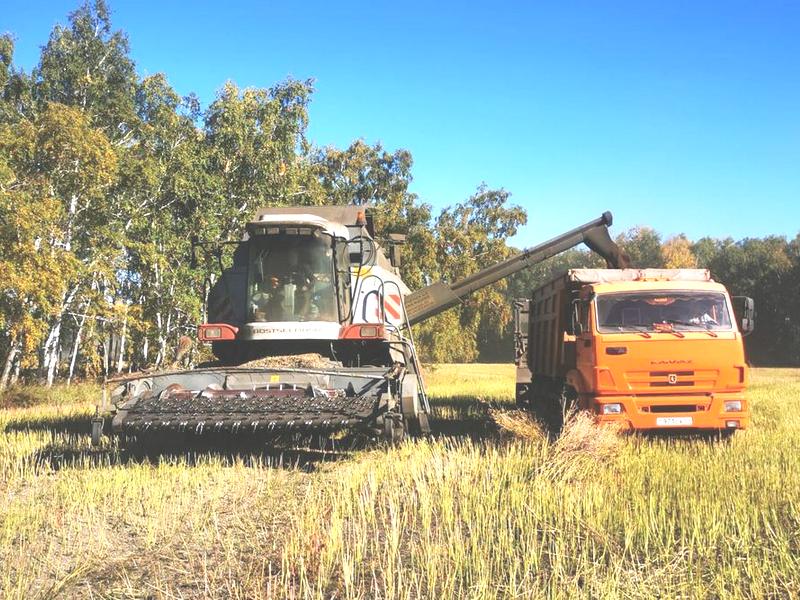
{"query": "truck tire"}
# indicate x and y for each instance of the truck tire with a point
(523, 395)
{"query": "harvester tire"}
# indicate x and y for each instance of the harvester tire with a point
(97, 431)
(419, 425)
(394, 429)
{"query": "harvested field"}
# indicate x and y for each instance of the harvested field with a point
(487, 508)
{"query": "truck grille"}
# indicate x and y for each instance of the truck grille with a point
(674, 408)
(671, 378)
(663, 381)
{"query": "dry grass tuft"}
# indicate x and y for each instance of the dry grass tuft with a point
(584, 438)
(519, 423)
(575, 454)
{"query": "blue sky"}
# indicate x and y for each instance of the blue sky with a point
(681, 115)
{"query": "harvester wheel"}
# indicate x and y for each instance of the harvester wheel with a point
(97, 431)
(419, 425)
(424, 425)
(394, 429)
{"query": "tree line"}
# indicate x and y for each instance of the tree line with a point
(105, 176)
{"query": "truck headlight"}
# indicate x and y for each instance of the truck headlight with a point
(612, 409)
(733, 406)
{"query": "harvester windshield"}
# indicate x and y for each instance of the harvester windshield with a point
(680, 310)
(292, 278)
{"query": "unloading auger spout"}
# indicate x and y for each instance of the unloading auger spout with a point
(435, 298)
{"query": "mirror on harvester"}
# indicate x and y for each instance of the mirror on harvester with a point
(395, 241)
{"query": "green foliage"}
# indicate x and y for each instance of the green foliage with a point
(57, 169)
(643, 245)
(105, 176)
(468, 237)
(87, 65)
(363, 174)
(676, 253)
(767, 270)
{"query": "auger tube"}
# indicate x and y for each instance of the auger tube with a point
(435, 298)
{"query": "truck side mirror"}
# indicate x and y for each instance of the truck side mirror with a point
(745, 310)
(577, 326)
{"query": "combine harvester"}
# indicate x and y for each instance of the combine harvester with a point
(311, 326)
(651, 349)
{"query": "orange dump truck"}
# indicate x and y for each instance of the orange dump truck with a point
(647, 348)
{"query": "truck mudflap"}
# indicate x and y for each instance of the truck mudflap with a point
(260, 411)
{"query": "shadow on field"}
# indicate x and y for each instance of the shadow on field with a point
(683, 435)
(58, 456)
(74, 424)
(462, 417)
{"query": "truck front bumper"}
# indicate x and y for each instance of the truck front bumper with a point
(673, 412)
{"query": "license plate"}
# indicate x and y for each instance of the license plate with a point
(673, 421)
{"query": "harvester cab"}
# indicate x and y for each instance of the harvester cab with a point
(311, 328)
(306, 281)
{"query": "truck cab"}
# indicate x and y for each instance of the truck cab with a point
(649, 349)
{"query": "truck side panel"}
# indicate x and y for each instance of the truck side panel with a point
(551, 350)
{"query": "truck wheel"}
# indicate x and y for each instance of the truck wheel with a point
(566, 403)
(523, 395)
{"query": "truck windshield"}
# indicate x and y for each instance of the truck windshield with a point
(291, 278)
(651, 311)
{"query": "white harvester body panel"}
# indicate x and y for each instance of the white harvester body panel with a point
(292, 330)
(372, 283)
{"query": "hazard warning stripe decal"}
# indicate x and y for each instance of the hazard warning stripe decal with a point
(392, 305)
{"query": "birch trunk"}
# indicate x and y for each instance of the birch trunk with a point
(54, 354)
(15, 375)
(106, 344)
(52, 347)
(162, 343)
(145, 351)
(123, 337)
(75, 348)
(12, 354)
(46, 349)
